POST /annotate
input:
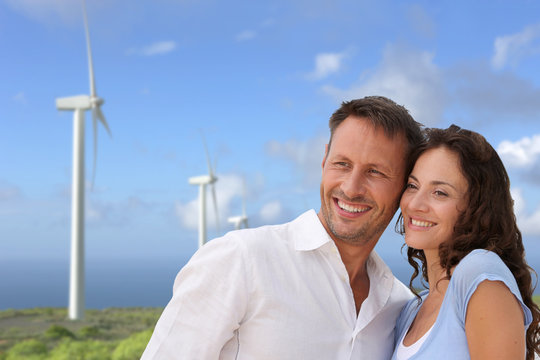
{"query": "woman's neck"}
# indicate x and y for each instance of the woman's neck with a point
(437, 277)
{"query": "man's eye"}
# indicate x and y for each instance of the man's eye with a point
(376, 172)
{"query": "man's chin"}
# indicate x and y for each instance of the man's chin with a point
(348, 235)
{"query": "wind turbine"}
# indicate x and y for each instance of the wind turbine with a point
(79, 104)
(202, 181)
(240, 220)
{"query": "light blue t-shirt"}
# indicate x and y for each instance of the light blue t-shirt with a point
(447, 339)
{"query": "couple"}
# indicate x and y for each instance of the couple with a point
(315, 289)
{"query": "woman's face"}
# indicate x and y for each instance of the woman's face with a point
(435, 196)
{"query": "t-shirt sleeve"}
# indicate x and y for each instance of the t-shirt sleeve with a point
(208, 303)
(478, 266)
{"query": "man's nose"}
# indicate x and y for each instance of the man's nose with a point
(355, 184)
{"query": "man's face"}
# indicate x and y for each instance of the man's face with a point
(362, 178)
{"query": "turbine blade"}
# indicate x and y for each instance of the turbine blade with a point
(101, 118)
(89, 50)
(215, 206)
(94, 125)
(210, 170)
(244, 198)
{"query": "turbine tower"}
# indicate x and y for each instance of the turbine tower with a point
(240, 220)
(202, 181)
(79, 104)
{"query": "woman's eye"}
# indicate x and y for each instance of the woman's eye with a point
(410, 186)
(440, 193)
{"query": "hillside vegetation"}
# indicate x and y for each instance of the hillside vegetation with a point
(45, 333)
(109, 334)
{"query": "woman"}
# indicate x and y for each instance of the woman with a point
(459, 226)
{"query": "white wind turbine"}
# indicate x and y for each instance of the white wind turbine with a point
(79, 104)
(202, 181)
(240, 220)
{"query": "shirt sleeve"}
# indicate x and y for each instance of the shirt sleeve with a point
(208, 303)
(476, 267)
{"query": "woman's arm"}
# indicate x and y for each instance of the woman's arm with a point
(494, 323)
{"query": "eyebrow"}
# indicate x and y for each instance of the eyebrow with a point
(436, 182)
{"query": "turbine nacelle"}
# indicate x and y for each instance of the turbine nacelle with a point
(202, 180)
(238, 221)
(81, 102)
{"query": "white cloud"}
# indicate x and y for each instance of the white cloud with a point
(50, 11)
(9, 192)
(246, 35)
(493, 96)
(529, 224)
(326, 64)
(406, 76)
(157, 48)
(522, 153)
(99, 212)
(271, 212)
(421, 21)
(228, 187)
(20, 97)
(306, 156)
(511, 48)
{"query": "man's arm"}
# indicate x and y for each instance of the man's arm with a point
(207, 307)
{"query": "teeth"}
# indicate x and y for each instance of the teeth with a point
(351, 209)
(422, 223)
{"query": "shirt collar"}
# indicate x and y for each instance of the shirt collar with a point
(308, 233)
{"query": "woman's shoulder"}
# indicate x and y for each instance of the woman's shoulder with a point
(478, 262)
(479, 265)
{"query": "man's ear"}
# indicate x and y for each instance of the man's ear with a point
(325, 155)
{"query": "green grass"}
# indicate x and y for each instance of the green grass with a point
(102, 331)
(109, 334)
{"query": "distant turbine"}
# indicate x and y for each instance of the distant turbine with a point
(240, 220)
(79, 104)
(202, 181)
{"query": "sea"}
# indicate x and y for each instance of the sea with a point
(110, 282)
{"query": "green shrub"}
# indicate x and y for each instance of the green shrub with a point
(132, 347)
(89, 332)
(70, 349)
(58, 332)
(27, 350)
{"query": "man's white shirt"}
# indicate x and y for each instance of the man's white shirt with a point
(277, 292)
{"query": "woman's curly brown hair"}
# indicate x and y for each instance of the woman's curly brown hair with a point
(488, 221)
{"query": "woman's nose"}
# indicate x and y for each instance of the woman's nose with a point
(416, 201)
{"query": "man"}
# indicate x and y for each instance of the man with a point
(312, 288)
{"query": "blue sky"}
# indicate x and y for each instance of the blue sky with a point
(260, 80)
